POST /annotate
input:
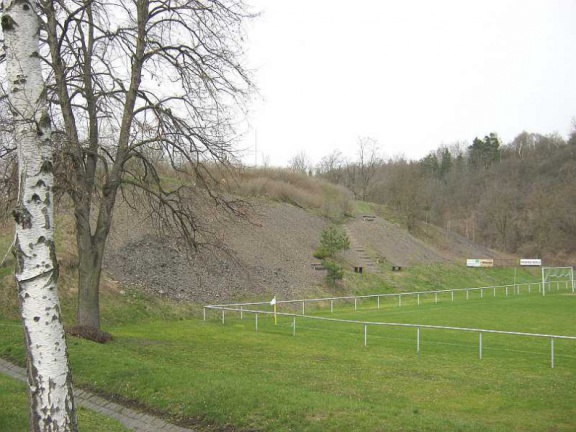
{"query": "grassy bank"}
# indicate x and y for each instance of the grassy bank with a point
(437, 277)
(324, 379)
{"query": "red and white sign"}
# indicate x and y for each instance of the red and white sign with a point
(479, 263)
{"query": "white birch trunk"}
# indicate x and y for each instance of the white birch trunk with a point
(49, 377)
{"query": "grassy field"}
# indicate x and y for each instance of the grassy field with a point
(324, 379)
(14, 412)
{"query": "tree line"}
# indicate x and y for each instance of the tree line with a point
(517, 197)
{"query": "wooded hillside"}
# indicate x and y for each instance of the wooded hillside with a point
(518, 197)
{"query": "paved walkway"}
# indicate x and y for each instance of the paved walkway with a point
(131, 419)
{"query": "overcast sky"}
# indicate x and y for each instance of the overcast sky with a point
(411, 74)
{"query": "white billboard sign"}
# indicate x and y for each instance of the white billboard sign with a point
(530, 262)
(479, 263)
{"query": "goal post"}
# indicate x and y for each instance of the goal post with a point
(557, 274)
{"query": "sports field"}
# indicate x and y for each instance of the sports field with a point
(370, 321)
(440, 382)
(323, 378)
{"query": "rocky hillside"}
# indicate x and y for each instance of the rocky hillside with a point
(271, 254)
(375, 240)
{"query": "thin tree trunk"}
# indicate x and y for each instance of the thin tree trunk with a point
(49, 377)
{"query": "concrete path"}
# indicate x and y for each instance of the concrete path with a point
(131, 419)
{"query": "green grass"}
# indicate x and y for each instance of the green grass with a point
(518, 313)
(324, 379)
(521, 313)
(14, 412)
(437, 277)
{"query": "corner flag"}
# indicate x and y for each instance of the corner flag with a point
(273, 303)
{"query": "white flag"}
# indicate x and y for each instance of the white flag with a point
(273, 302)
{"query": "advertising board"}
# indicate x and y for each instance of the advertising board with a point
(530, 262)
(478, 262)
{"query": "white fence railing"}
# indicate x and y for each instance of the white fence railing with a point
(507, 290)
(244, 308)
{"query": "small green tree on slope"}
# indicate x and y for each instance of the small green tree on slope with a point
(332, 240)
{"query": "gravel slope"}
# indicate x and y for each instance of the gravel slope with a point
(272, 255)
(384, 240)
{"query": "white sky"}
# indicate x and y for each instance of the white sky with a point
(411, 74)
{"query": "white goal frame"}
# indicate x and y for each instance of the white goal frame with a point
(553, 274)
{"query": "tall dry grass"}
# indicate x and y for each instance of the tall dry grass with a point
(299, 189)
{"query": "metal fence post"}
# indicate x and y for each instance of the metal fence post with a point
(303, 308)
(378, 298)
(355, 303)
(435, 297)
(204, 312)
(418, 340)
(467, 294)
(418, 299)
(294, 326)
(399, 299)
(552, 352)
(480, 347)
(241, 312)
(256, 321)
(452, 295)
(331, 306)
(365, 334)
(223, 314)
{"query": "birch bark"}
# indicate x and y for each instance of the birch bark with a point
(49, 377)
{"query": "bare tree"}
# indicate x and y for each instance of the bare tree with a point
(49, 377)
(572, 135)
(331, 167)
(499, 208)
(363, 172)
(266, 161)
(300, 163)
(407, 193)
(136, 87)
